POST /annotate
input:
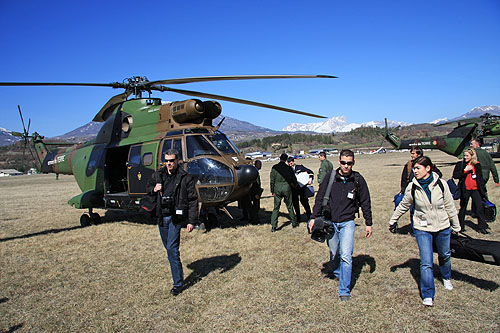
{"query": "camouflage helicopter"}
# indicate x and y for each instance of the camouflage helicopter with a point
(112, 170)
(457, 140)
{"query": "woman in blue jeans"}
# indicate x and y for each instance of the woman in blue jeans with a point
(434, 209)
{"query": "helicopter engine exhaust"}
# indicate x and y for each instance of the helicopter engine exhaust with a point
(213, 109)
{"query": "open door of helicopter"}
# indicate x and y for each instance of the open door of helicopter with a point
(141, 165)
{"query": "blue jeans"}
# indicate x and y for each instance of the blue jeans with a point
(442, 241)
(171, 236)
(341, 246)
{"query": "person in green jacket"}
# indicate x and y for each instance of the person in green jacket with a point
(486, 162)
(282, 181)
(325, 167)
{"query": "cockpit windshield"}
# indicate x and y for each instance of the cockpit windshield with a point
(220, 141)
(198, 145)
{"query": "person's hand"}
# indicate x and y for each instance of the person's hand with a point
(311, 225)
(157, 187)
(497, 184)
(189, 227)
(368, 232)
(468, 167)
(393, 227)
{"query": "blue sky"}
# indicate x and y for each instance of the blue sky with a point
(412, 61)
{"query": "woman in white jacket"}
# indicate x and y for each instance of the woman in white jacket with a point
(434, 209)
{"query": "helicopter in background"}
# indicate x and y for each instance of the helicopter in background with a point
(457, 140)
(113, 169)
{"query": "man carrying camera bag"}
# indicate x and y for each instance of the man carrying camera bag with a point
(179, 206)
(348, 191)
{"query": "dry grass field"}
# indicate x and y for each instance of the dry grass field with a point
(58, 277)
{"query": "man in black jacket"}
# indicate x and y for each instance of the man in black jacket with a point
(179, 206)
(299, 192)
(349, 191)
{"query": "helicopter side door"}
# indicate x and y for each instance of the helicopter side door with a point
(141, 166)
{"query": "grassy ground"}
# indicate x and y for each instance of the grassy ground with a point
(56, 276)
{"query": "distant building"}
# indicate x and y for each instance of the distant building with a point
(10, 172)
(258, 154)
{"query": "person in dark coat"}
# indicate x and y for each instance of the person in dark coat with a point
(299, 192)
(179, 206)
(471, 183)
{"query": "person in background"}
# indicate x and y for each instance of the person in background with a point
(282, 181)
(470, 180)
(434, 209)
(253, 203)
(487, 163)
(298, 193)
(325, 166)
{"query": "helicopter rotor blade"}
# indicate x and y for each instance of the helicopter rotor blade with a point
(113, 84)
(101, 115)
(236, 77)
(22, 120)
(234, 100)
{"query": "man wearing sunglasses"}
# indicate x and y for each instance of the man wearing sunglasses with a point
(349, 191)
(178, 199)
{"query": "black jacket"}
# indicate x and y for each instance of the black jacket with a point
(342, 207)
(185, 196)
(407, 178)
(458, 173)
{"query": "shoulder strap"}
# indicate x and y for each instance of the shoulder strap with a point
(413, 187)
(328, 189)
(440, 185)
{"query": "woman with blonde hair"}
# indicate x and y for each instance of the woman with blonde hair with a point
(471, 183)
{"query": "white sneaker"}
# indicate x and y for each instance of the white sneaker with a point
(427, 301)
(447, 284)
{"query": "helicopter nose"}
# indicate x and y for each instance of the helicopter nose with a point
(247, 174)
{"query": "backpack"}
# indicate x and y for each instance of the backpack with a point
(454, 189)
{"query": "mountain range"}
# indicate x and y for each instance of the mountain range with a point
(338, 124)
(239, 130)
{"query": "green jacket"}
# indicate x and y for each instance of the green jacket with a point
(487, 165)
(282, 176)
(325, 167)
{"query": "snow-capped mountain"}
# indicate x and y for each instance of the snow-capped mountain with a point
(473, 113)
(338, 124)
(6, 137)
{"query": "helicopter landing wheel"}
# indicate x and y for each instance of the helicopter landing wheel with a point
(85, 220)
(96, 218)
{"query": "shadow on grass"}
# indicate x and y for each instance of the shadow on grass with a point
(201, 268)
(45, 232)
(14, 328)
(358, 263)
(414, 265)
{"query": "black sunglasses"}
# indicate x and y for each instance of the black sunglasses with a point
(346, 162)
(171, 161)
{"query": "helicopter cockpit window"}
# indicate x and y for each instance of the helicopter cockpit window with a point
(147, 159)
(178, 146)
(198, 145)
(167, 144)
(195, 130)
(220, 141)
(174, 133)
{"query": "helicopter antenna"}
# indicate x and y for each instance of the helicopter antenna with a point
(220, 123)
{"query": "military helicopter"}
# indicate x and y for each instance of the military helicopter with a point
(457, 140)
(112, 170)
